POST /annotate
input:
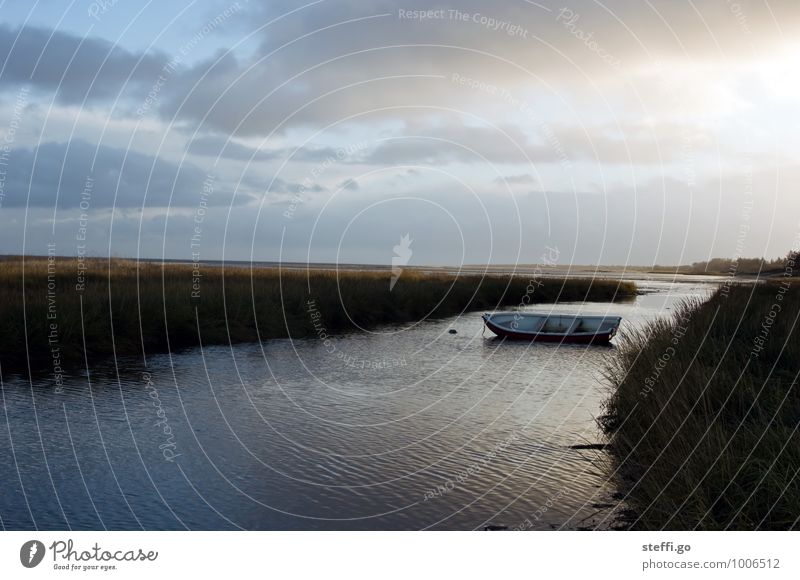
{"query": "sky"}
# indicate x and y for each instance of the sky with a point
(616, 132)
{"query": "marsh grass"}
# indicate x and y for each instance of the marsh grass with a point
(128, 307)
(703, 420)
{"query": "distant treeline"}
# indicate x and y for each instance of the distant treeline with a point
(736, 266)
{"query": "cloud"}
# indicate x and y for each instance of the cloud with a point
(58, 173)
(523, 178)
(278, 185)
(349, 184)
(71, 67)
(257, 181)
(608, 143)
(659, 221)
(459, 143)
(221, 147)
(330, 61)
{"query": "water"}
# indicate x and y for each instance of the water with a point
(402, 428)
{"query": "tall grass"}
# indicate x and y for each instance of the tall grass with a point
(704, 418)
(128, 307)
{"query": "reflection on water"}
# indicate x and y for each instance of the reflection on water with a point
(395, 429)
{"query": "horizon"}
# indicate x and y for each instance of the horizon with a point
(409, 266)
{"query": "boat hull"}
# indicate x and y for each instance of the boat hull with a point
(600, 337)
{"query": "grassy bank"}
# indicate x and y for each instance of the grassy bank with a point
(703, 422)
(155, 307)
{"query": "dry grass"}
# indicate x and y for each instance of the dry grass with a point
(704, 419)
(127, 307)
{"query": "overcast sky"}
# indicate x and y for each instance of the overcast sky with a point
(625, 131)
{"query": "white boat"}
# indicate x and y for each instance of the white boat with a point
(569, 328)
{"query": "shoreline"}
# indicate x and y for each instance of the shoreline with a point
(71, 311)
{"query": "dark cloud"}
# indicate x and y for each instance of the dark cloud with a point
(221, 147)
(278, 185)
(349, 184)
(620, 143)
(333, 60)
(259, 182)
(330, 60)
(613, 227)
(72, 67)
(224, 148)
(523, 178)
(60, 172)
(460, 143)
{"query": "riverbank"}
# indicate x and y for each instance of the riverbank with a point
(61, 312)
(703, 421)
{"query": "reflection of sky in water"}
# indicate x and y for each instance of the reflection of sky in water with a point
(392, 429)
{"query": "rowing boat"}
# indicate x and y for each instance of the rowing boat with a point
(566, 328)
